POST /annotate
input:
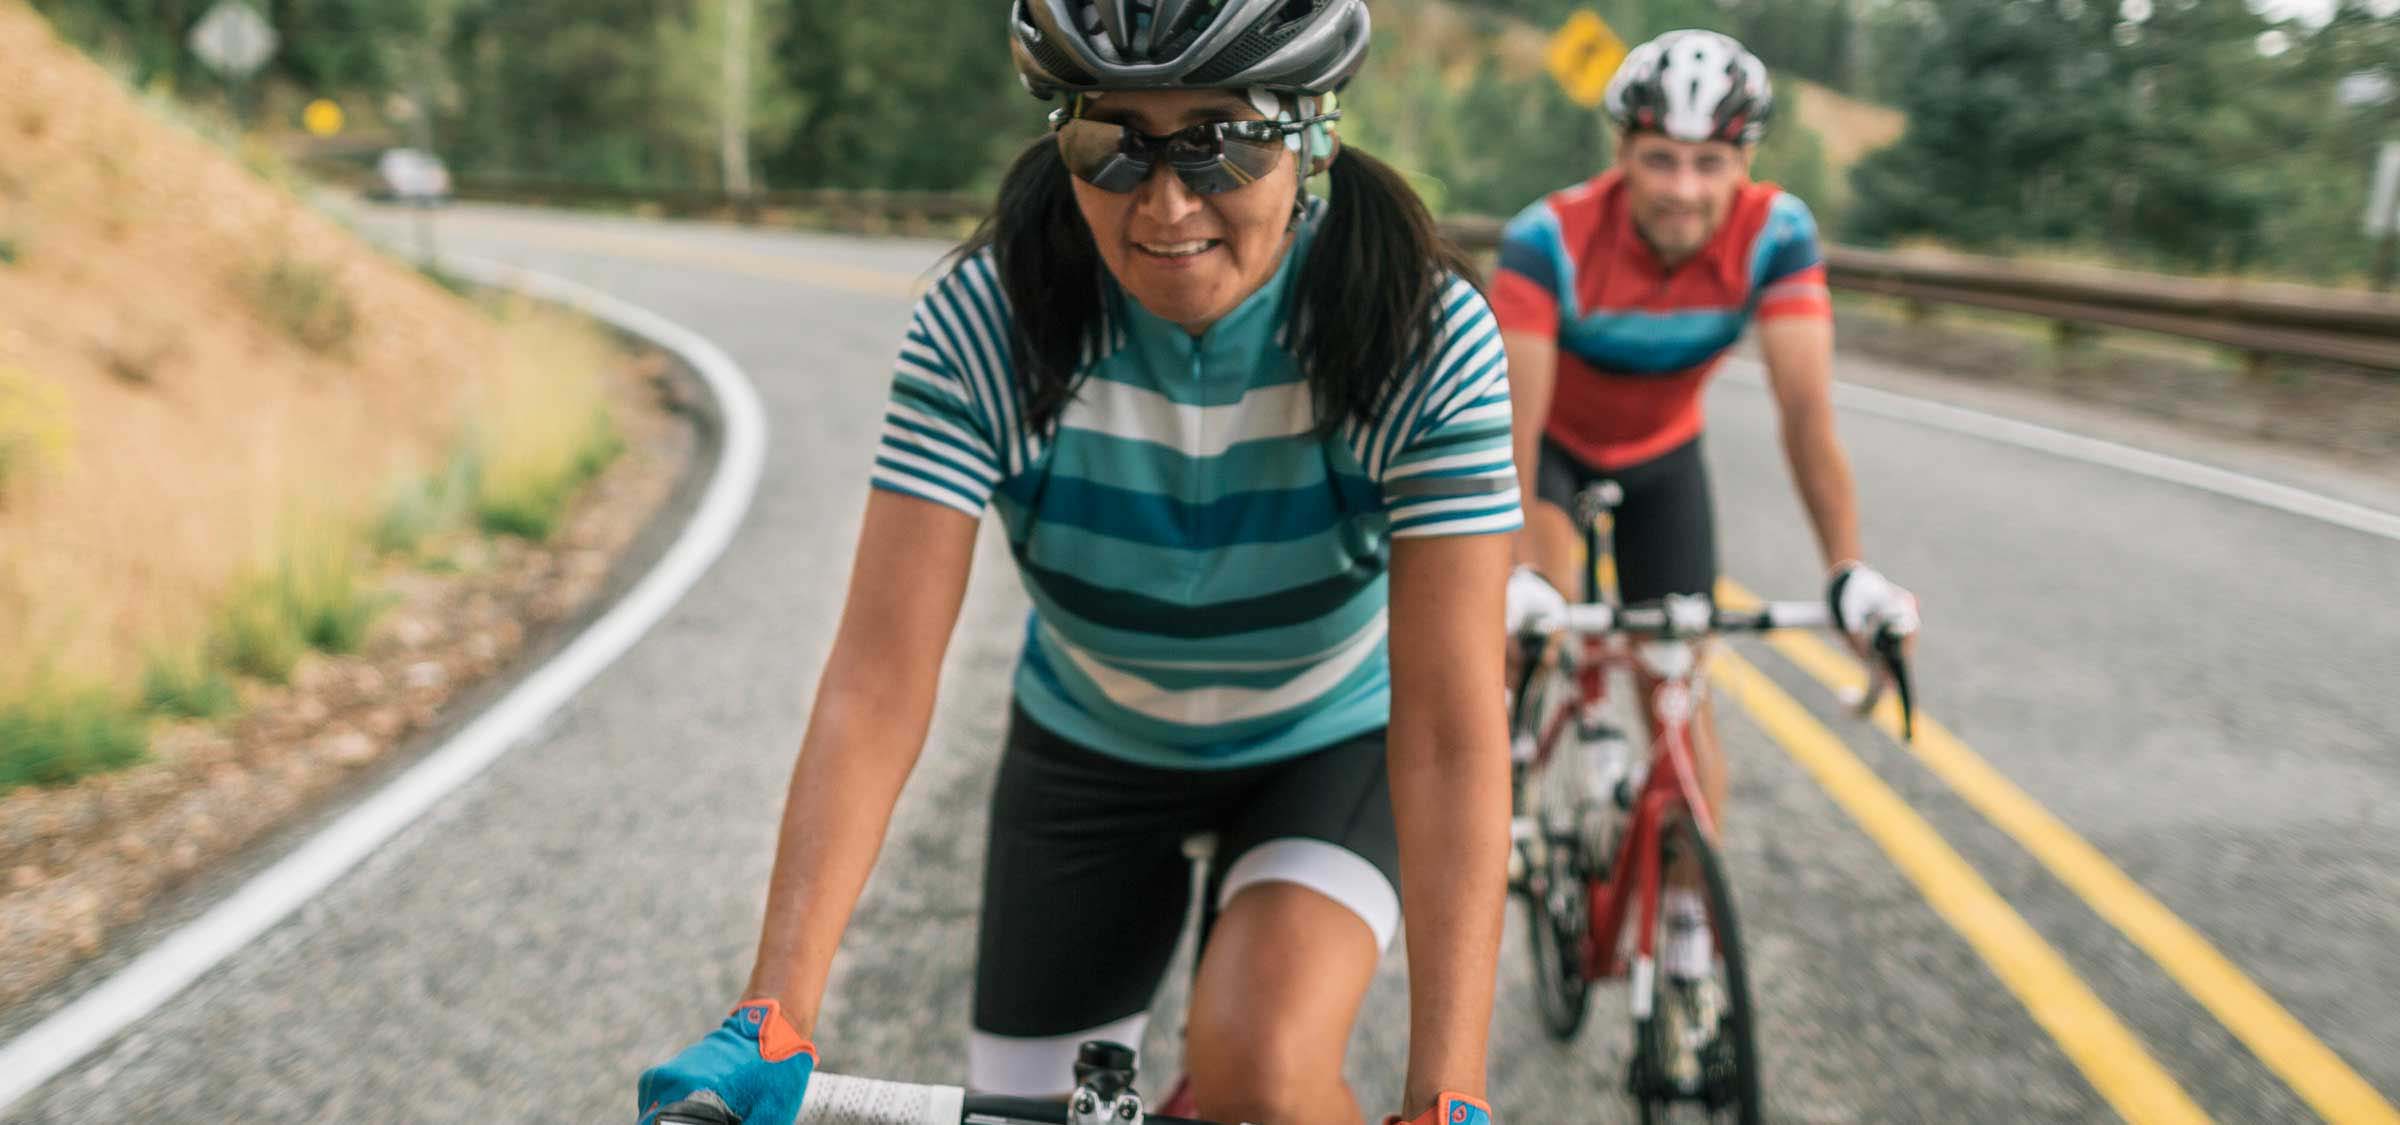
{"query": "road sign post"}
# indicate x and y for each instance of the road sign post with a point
(2383, 212)
(234, 40)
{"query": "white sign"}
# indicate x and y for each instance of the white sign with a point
(413, 176)
(2363, 88)
(233, 39)
(2386, 192)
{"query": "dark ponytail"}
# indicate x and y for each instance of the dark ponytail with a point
(1051, 273)
(1370, 287)
(1366, 296)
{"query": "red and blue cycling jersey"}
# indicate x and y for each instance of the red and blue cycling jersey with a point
(1637, 341)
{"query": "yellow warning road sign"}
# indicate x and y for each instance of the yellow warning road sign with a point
(1584, 55)
(323, 117)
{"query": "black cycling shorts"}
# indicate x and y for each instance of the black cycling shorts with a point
(1086, 883)
(1666, 530)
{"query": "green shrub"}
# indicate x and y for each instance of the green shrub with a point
(530, 501)
(330, 605)
(418, 509)
(53, 736)
(255, 634)
(186, 687)
(314, 598)
(307, 302)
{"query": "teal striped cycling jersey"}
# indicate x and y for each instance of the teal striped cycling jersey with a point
(1206, 563)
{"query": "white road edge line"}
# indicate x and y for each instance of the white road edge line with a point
(2158, 466)
(67, 1035)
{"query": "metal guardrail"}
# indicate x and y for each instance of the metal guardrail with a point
(931, 206)
(2262, 320)
(2259, 319)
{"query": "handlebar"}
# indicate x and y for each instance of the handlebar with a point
(1689, 617)
(838, 1099)
(1675, 617)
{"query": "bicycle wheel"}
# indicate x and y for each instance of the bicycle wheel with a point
(1696, 1055)
(1554, 923)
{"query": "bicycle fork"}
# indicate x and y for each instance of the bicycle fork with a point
(1631, 895)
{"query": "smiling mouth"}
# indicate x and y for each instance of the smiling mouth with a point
(1184, 249)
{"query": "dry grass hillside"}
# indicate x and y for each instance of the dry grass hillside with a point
(1851, 128)
(223, 416)
(188, 360)
(268, 499)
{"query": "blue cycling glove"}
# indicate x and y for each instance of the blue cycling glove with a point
(755, 1063)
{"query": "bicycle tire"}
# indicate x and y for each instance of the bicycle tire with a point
(1552, 890)
(1553, 936)
(1730, 1091)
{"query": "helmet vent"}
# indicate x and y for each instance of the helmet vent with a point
(1055, 59)
(1243, 53)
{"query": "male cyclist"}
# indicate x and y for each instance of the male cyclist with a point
(1617, 298)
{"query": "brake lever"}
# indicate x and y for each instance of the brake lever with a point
(1531, 648)
(1888, 645)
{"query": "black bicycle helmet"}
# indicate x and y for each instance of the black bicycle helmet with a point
(1295, 46)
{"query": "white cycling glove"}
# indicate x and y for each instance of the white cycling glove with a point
(1534, 605)
(1864, 601)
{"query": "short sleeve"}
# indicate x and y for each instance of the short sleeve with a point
(1790, 272)
(1441, 454)
(1525, 289)
(941, 429)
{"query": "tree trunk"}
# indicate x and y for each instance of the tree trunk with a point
(735, 136)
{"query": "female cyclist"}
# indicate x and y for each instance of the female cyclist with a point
(1251, 452)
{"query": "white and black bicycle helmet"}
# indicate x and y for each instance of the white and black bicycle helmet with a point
(1692, 85)
(1295, 46)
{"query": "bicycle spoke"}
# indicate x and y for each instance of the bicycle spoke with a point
(1696, 1057)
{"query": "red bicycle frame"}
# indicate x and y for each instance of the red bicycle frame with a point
(1672, 786)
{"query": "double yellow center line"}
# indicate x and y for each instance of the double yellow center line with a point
(2109, 1055)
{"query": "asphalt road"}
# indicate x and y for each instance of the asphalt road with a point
(2200, 687)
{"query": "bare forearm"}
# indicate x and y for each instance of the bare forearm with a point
(1450, 798)
(853, 762)
(1531, 404)
(1821, 472)
(1532, 375)
(1799, 354)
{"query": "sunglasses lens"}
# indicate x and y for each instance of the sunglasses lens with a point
(1098, 153)
(1209, 158)
(1250, 157)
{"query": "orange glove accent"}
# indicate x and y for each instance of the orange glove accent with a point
(1449, 1109)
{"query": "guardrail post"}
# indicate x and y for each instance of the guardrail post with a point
(2068, 339)
(2257, 366)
